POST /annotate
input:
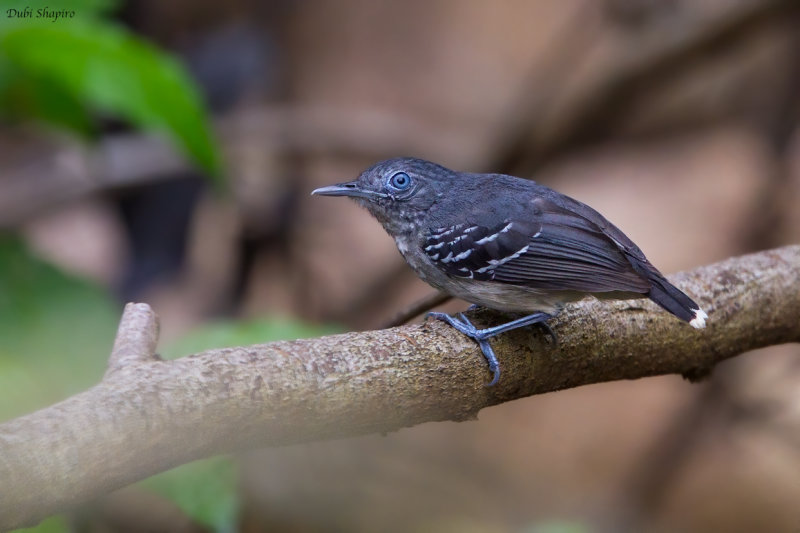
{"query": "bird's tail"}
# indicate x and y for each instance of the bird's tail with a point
(676, 302)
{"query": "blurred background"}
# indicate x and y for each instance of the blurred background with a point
(164, 152)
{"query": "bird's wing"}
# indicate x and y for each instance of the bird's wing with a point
(554, 248)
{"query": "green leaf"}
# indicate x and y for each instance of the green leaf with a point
(205, 490)
(25, 97)
(107, 68)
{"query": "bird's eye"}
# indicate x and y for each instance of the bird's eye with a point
(400, 181)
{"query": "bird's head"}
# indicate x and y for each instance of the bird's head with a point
(398, 192)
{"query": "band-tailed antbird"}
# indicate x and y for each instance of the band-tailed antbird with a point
(506, 243)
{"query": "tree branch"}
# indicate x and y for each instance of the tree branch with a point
(148, 415)
(537, 133)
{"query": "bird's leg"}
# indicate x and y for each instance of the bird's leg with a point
(536, 319)
(482, 336)
(541, 323)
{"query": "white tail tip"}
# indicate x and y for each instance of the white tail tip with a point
(699, 320)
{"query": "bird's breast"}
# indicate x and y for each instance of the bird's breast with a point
(411, 249)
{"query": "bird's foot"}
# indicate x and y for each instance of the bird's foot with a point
(548, 331)
(482, 336)
(462, 324)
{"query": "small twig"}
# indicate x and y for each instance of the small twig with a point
(137, 337)
(417, 308)
(370, 297)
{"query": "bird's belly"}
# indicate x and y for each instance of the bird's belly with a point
(505, 297)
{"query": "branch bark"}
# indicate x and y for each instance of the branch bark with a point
(148, 415)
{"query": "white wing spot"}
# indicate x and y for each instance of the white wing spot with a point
(493, 263)
(441, 232)
(433, 247)
(462, 255)
(490, 238)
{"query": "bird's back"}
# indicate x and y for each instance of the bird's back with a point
(507, 230)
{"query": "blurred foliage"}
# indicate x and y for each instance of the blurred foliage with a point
(54, 524)
(204, 490)
(60, 71)
(55, 331)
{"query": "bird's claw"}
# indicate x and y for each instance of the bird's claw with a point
(466, 327)
(549, 332)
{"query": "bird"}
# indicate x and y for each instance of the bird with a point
(506, 243)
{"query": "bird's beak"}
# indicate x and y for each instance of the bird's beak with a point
(350, 188)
